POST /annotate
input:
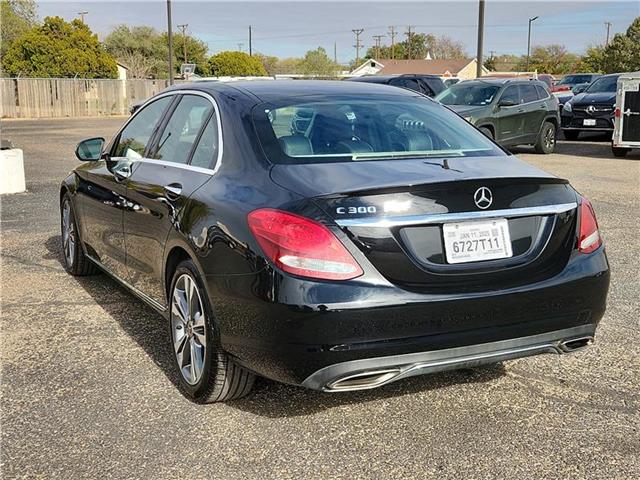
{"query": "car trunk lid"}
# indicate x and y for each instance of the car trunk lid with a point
(395, 212)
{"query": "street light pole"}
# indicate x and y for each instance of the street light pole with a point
(170, 37)
(480, 39)
(531, 20)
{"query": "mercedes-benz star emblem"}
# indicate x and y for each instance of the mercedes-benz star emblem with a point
(591, 109)
(483, 198)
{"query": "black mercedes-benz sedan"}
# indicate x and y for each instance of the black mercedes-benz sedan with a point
(592, 110)
(334, 235)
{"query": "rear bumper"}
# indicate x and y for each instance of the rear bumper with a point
(313, 333)
(374, 372)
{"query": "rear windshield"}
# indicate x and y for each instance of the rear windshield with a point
(476, 94)
(340, 129)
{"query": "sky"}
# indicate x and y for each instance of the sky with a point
(288, 29)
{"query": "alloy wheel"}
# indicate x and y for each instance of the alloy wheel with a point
(68, 233)
(188, 329)
(550, 137)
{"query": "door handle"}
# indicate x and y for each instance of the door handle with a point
(173, 191)
(122, 172)
(521, 110)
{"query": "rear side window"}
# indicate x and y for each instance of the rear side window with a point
(528, 93)
(542, 92)
(135, 136)
(183, 128)
(359, 128)
(207, 148)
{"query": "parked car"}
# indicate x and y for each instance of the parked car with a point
(592, 110)
(548, 80)
(511, 111)
(389, 239)
(571, 81)
(430, 85)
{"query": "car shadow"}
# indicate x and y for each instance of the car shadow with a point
(269, 398)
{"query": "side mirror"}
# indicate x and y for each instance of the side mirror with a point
(507, 103)
(90, 149)
(579, 89)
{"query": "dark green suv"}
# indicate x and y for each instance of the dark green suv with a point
(510, 111)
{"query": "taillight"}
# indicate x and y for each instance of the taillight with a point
(302, 246)
(589, 237)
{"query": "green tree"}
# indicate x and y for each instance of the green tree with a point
(59, 49)
(621, 55)
(196, 52)
(317, 62)
(421, 45)
(235, 64)
(141, 49)
(550, 59)
(16, 18)
(490, 64)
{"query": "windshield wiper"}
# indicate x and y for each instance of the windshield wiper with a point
(429, 153)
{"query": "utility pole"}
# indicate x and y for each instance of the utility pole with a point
(184, 40)
(335, 53)
(608, 25)
(408, 33)
(170, 38)
(358, 45)
(378, 39)
(250, 44)
(531, 20)
(240, 46)
(82, 14)
(392, 34)
(480, 39)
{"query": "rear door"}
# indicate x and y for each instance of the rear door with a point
(509, 120)
(182, 158)
(535, 111)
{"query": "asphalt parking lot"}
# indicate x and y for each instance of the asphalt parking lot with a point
(88, 390)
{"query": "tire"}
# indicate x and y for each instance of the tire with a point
(208, 374)
(75, 261)
(571, 134)
(487, 132)
(546, 142)
(620, 151)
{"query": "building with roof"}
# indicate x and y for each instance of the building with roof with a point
(463, 69)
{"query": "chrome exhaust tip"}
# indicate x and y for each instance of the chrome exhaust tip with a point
(575, 344)
(363, 380)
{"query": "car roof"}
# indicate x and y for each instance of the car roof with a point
(270, 90)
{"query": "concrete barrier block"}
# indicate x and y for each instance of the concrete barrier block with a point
(11, 171)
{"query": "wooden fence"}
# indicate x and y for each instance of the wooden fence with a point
(69, 97)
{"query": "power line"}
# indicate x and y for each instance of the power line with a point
(358, 45)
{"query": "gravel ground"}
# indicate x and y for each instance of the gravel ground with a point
(87, 389)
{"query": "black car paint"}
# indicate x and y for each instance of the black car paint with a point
(603, 102)
(430, 85)
(286, 327)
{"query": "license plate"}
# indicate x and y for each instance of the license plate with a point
(589, 122)
(477, 241)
